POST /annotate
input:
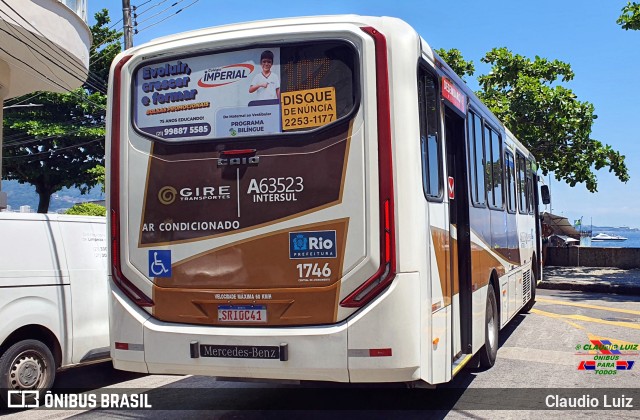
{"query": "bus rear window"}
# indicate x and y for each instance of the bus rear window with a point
(249, 92)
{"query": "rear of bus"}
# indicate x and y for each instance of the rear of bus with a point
(252, 206)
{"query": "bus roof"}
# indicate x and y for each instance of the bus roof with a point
(270, 23)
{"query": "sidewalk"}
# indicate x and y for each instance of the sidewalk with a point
(592, 279)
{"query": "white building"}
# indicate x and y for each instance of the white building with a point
(44, 45)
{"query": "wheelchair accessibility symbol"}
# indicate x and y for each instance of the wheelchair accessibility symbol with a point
(159, 263)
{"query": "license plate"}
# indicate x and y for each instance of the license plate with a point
(247, 313)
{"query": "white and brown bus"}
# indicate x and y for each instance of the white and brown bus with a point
(317, 198)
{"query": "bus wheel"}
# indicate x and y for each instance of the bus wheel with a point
(27, 365)
(489, 351)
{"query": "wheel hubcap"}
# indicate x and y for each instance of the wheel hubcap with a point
(27, 371)
(491, 324)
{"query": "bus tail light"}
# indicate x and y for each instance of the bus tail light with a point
(387, 270)
(128, 288)
(380, 352)
(128, 346)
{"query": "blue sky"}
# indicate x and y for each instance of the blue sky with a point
(604, 57)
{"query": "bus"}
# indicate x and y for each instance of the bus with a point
(317, 198)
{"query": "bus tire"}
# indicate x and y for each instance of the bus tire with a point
(534, 281)
(489, 351)
(27, 365)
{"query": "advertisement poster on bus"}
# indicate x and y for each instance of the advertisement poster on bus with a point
(231, 94)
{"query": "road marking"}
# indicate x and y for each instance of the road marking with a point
(538, 355)
(573, 324)
(587, 319)
(586, 305)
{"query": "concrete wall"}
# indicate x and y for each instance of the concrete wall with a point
(593, 257)
(45, 44)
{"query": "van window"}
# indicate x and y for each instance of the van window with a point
(31, 238)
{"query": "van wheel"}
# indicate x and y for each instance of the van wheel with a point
(27, 365)
(489, 351)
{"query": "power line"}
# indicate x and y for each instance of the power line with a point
(110, 39)
(168, 17)
(51, 152)
(31, 47)
(91, 78)
(148, 1)
(22, 139)
(54, 47)
(160, 12)
(91, 121)
(114, 25)
(7, 103)
(78, 118)
(36, 140)
(135, 8)
(43, 76)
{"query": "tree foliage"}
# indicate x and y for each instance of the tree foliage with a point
(87, 209)
(98, 174)
(454, 59)
(529, 98)
(55, 143)
(630, 17)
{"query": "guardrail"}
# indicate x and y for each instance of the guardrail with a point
(626, 258)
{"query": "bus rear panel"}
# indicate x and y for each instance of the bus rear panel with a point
(242, 221)
(269, 208)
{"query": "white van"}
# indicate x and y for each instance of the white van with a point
(53, 297)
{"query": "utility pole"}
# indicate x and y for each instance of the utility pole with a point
(128, 27)
(551, 202)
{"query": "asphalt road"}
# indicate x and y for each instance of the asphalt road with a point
(538, 363)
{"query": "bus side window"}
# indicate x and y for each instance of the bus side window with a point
(530, 184)
(429, 139)
(493, 169)
(476, 159)
(510, 182)
(522, 184)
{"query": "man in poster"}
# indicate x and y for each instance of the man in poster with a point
(266, 85)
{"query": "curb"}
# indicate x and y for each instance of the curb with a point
(591, 287)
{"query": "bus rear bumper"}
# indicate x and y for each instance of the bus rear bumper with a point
(362, 349)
